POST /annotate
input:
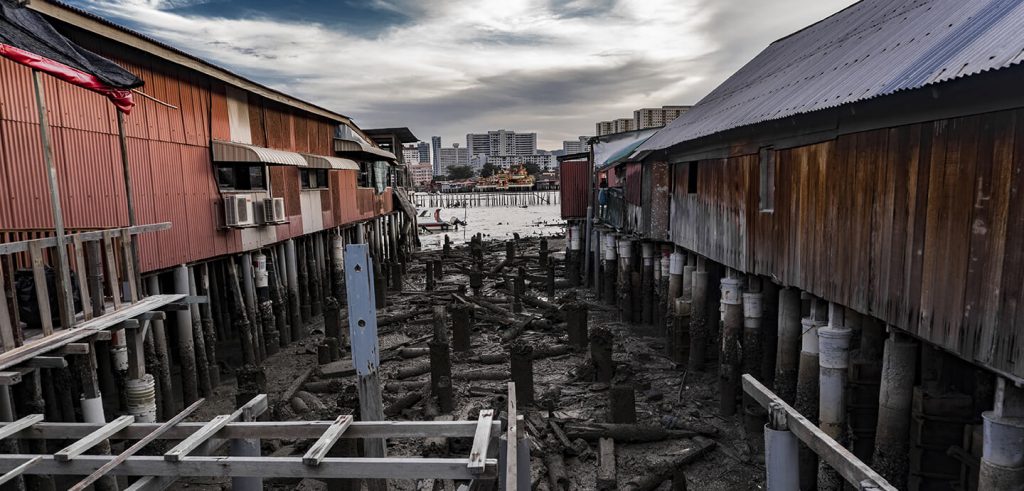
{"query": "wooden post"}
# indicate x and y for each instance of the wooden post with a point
(129, 199)
(67, 308)
(521, 367)
(440, 355)
(647, 283)
(186, 343)
(462, 323)
(601, 341)
(249, 291)
(294, 307)
(240, 317)
(268, 320)
(365, 351)
(206, 320)
(787, 359)
(275, 269)
(199, 335)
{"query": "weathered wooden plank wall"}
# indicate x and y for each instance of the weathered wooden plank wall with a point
(921, 226)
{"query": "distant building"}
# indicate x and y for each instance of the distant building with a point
(656, 117)
(648, 117)
(424, 149)
(422, 173)
(435, 144)
(543, 161)
(501, 143)
(411, 154)
(576, 146)
(450, 157)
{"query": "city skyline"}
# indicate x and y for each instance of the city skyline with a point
(444, 68)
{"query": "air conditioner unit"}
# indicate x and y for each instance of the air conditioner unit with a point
(238, 211)
(266, 211)
(279, 215)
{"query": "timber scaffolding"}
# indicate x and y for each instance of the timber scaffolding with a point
(198, 443)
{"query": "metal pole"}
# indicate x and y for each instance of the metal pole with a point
(67, 307)
(782, 467)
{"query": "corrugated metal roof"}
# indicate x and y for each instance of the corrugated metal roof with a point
(870, 49)
(361, 149)
(609, 148)
(241, 152)
(337, 163)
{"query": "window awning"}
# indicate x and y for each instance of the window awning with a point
(231, 152)
(336, 163)
(361, 150)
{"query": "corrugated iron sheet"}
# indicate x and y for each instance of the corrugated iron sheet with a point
(240, 152)
(871, 49)
(634, 183)
(574, 183)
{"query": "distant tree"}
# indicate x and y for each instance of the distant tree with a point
(532, 168)
(457, 172)
(488, 170)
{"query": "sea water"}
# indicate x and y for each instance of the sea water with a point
(496, 223)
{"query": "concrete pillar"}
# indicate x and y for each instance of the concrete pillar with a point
(572, 259)
(782, 471)
(699, 318)
(676, 264)
(892, 436)
(729, 357)
(295, 310)
(163, 358)
(807, 387)
(1002, 460)
(647, 283)
(610, 269)
(834, 360)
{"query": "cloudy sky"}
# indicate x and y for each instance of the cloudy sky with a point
(447, 67)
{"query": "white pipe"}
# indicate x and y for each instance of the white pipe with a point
(782, 469)
(92, 410)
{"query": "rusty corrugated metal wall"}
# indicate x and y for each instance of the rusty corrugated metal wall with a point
(920, 225)
(172, 174)
(574, 186)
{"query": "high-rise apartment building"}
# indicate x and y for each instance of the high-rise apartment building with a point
(576, 146)
(410, 154)
(501, 143)
(656, 117)
(424, 149)
(435, 144)
(422, 173)
(452, 156)
(648, 117)
(478, 143)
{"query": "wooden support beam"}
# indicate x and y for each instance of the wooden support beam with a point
(10, 378)
(74, 349)
(198, 438)
(42, 293)
(265, 467)
(155, 315)
(319, 450)
(17, 471)
(839, 458)
(291, 430)
(38, 346)
(111, 273)
(46, 362)
(481, 442)
(139, 445)
(78, 448)
(23, 246)
(91, 440)
(21, 424)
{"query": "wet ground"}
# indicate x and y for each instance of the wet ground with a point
(666, 395)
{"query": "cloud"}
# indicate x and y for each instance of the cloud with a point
(451, 67)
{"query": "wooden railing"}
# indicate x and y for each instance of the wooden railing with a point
(93, 257)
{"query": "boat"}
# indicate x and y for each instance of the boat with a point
(438, 223)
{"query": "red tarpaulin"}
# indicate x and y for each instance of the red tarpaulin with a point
(28, 39)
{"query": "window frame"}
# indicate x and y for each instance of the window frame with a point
(321, 178)
(767, 170)
(239, 173)
(692, 176)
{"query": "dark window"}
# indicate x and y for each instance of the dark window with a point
(767, 179)
(365, 172)
(313, 178)
(691, 178)
(240, 177)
